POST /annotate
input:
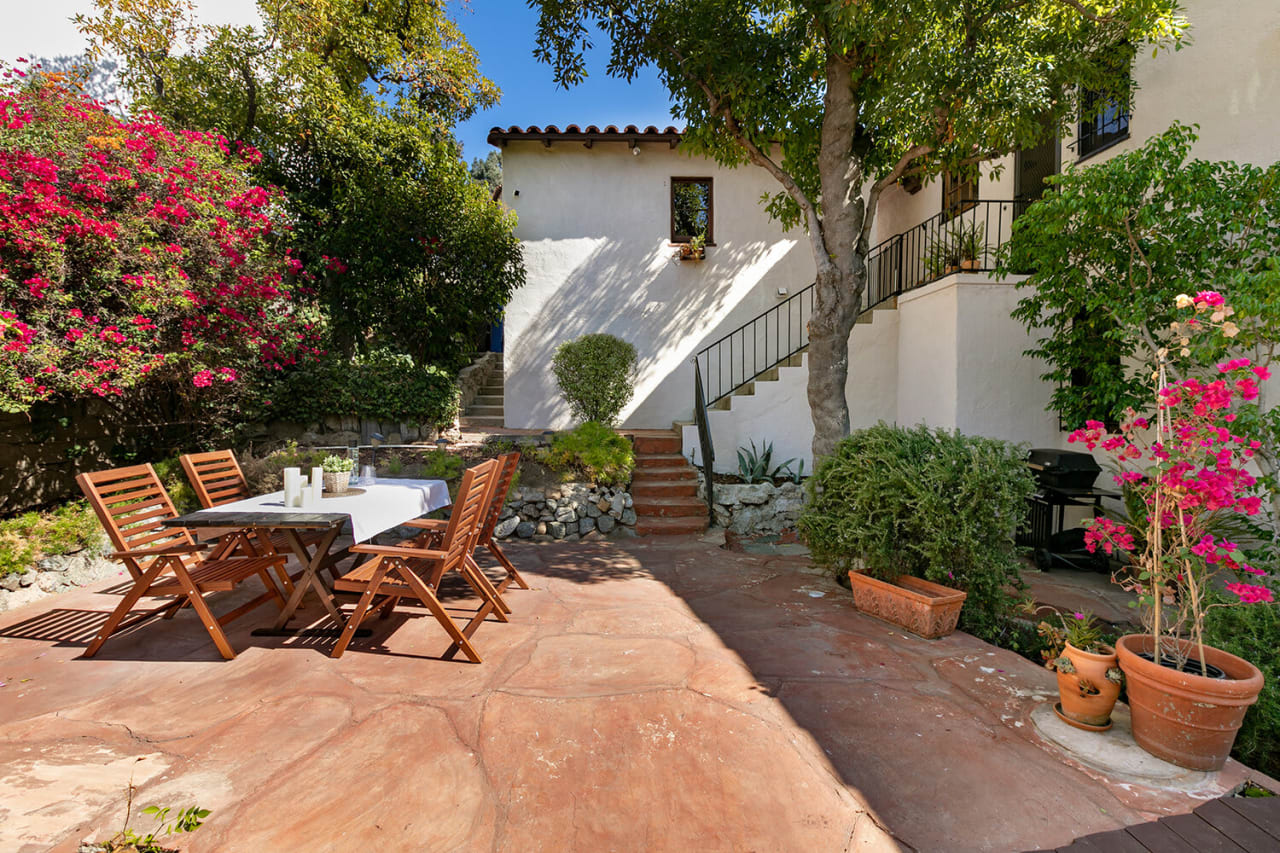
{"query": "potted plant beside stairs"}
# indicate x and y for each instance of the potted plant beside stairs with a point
(922, 522)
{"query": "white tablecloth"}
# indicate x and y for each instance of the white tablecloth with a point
(384, 504)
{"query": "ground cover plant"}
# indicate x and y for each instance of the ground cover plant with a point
(927, 503)
(591, 450)
(31, 536)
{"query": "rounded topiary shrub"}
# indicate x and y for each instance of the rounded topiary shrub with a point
(928, 503)
(596, 374)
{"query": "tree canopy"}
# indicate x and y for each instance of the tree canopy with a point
(351, 104)
(837, 101)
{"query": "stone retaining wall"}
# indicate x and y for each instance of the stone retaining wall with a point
(569, 512)
(755, 508)
(52, 575)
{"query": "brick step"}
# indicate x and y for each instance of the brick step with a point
(662, 489)
(682, 474)
(485, 410)
(654, 444)
(670, 507)
(671, 526)
(480, 421)
(660, 460)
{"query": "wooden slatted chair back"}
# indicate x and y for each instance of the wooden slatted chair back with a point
(468, 513)
(216, 477)
(509, 463)
(130, 503)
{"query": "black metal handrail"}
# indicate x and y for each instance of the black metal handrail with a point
(704, 439)
(966, 239)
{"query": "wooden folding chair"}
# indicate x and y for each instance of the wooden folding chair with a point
(217, 479)
(131, 503)
(435, 527)
(409, 570)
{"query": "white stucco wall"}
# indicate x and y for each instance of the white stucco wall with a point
(595, 224)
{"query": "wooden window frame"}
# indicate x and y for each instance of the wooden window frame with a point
(711, 207)
(950, 185)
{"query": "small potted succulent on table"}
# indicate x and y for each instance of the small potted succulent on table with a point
(337, 473)
(1089, 676)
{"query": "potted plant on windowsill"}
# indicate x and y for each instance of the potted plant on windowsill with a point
(1089, 677)
(1191, 468)
(694, 250)
(337, 473)
(922, 521)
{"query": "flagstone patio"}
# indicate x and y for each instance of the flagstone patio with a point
(649, 695)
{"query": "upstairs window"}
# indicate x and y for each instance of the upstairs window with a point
(692, 212)
(1103, 123)
(959, 193)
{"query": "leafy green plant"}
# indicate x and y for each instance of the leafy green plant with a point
(796, 474)
(395, 466)
(27, 538)
(1253, 633)
(334, 464)
(757, 465)
(596, 375)
(969, 241)
(928, 503)
(592, 449)
(440, 464)
(129, 840)
(265, 474)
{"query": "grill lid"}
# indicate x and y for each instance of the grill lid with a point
(1050, 460)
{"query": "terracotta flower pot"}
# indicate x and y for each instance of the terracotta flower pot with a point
(1087, 695)
(969, 265)
(922, 607)
(1188, 719)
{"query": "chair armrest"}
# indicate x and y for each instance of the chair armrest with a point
(428, 523)
(397, 551)
(173, 550)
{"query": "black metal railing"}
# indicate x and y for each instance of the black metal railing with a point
(706, 446)
(966, 239)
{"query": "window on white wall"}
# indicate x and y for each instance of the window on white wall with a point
(1103, 123)
(959, 193)
(692, 210)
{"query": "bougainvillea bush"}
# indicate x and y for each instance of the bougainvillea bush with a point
(135, 262)
(1191, 464)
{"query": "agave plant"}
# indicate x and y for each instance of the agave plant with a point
(757, 465)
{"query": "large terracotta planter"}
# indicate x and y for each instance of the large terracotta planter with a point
(922, 607)
(1190, 720)
(1087, 696)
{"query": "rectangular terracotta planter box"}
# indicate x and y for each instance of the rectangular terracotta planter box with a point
(920, 606)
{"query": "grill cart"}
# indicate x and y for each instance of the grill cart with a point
(1064, 478)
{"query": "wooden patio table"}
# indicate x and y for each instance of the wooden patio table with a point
(370, 508)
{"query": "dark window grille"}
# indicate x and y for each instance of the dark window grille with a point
(959, 194)
(1103, 123)
(692, 210)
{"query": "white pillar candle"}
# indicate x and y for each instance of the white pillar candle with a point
(292, 485)
(317, 482)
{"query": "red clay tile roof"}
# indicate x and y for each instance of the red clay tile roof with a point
(588, 135)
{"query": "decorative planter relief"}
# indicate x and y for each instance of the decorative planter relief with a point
(920, 606)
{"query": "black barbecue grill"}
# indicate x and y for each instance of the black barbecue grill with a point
(1063, 478)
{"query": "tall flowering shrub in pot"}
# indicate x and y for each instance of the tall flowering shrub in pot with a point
(138, 265)
(1190, 465)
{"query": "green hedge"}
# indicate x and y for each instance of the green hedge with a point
(929, 503)
(1253, 633)
(596, 374)
(381, 385)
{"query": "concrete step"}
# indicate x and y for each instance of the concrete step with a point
(492, 388)
(661, 444)
(660, 460)
(480, 421)
(485, 411)
(681, 507)
(487, 400)
(661, 489)
(673, 474)
(671, 526)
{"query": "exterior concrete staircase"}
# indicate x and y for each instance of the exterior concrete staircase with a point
(486, 410)
(664, 487)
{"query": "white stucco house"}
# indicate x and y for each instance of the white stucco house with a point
(600, 208)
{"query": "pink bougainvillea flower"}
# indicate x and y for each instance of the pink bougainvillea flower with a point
(202, 379)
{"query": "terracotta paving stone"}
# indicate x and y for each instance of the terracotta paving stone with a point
(650, 695)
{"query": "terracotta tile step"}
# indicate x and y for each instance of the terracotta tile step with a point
(650, 444)
(670, 507)
(660, 460)
(671, 526)
(660, 489)
(664, 475)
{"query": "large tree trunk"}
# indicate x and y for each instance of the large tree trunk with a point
(835, 310)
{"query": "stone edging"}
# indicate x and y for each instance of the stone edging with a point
(755, 508)
(568, 513)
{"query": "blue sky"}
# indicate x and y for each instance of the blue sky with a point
(502, 32)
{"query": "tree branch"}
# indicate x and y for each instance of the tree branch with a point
(887, 180)
(1097, 19)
